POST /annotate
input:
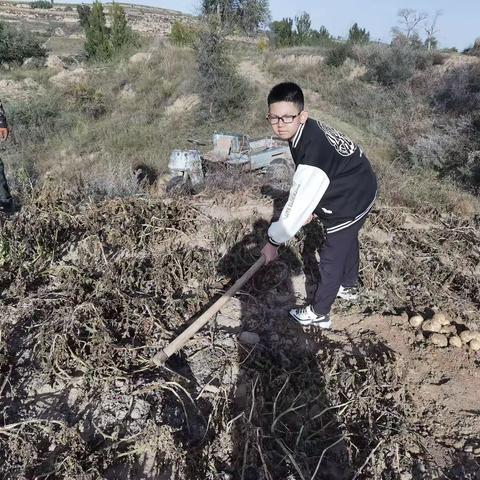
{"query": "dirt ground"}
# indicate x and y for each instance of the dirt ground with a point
(91, 291)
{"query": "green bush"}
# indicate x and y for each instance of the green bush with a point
(358, 35)
(17, 45)
(41, 4)
(102, 42)
(337, 55)
(183, 35)
(282, 32)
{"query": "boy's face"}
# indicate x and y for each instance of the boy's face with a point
(285, 118)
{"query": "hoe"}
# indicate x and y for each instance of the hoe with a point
(161, 357)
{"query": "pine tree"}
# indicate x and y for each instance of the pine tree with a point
(120, 33)
(98, 43)
(358, 35)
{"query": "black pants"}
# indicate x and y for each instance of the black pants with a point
(339, 260)
(5, 197)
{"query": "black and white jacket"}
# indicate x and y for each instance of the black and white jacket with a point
(333, 179)
(3, 118)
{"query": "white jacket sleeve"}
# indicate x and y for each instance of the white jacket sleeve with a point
(308, 187)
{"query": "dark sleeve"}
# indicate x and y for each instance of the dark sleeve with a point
(3, 118)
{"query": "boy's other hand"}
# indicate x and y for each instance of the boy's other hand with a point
(4, 133)
(270, 252)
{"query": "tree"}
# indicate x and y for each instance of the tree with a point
(303, 28)
(358, 35)
(283, 32)
(321, 36)
(431, 31)
(249, 15)
(410, 19)
(120, 33)
(97, 44)
(253, 14)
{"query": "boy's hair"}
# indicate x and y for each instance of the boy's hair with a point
(287, 92)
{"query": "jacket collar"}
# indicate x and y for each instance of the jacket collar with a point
(298, 135)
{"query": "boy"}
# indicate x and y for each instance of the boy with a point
(334, 181)
(6, 202)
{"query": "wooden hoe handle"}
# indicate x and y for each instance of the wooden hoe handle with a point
(176, 344)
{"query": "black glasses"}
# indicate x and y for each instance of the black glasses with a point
(274, 120)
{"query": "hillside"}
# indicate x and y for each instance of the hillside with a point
(100, 271)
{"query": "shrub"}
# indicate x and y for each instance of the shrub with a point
(222, 89)
(83, 12)
(89, 101)
(183, 35)
(452, 148)
(459, 90)
(262, 45)
(337, 55)
(390, 65)
(41, 4)
(17, 45)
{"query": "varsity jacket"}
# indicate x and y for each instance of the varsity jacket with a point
(333, 179)
(3, 118)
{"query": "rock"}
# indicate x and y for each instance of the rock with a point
(127, 92)
(455, 341)
(229, 321)
(140, 409)
(476, 451)
(474, 345)
(449, 330)
(459, 444)
(406, 476)
(73, 395)
(249, 338)
(476, 335)
(416, 321)
(140, 57)
(441, 318)
(67, 78)
(468, 449)
(29, 62)
(431, 326)
(467, 335)
(54, 62)
(419, 337)
(439, 339)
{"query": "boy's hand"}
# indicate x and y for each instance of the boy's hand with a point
(308, 220)
(4, 133)
(270, 252)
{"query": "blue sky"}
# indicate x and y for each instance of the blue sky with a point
(458, 25)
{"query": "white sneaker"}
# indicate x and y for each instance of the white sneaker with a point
(306, 316)
(348, 293)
